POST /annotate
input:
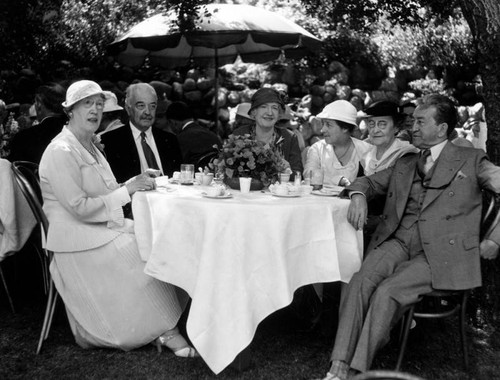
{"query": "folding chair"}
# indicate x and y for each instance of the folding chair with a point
(26, 176)
(445, 303)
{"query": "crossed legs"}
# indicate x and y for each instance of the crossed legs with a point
(389, 280)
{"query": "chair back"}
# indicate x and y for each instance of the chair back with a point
(491, 213)
(26, 176)
(206, 159)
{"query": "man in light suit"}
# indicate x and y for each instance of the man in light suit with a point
(135, 147)
(428, 236)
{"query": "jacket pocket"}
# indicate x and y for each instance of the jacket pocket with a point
(471, 242)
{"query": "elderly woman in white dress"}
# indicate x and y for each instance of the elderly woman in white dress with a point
(338, 155)
(96, 268)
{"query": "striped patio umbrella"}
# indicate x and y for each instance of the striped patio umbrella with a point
(222, 33)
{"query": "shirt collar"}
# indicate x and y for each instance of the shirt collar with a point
(186, 124)
(137, 133)
(437, 149)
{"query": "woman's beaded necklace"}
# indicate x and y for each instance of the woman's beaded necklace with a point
(270, 141)
(92, 152)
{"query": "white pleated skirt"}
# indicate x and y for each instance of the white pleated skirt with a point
(109, 299)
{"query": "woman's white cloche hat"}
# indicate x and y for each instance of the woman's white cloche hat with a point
(111, 102)
(339, 110)
(81, 90)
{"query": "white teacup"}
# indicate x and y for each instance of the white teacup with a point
(306, 189)
(281, 190)
(162, 181)
(284, 177)
(213, 191)
(198, 177)
(207, 179)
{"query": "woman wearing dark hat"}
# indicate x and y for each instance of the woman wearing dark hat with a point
(96, 268)
(266, 108)
(383, 123)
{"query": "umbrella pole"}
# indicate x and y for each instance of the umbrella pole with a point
(216, 100)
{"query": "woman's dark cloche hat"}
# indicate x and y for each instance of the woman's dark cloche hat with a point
(267, 95)
(382, 108)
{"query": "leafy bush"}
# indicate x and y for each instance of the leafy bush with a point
(427, 86)
(440, 43)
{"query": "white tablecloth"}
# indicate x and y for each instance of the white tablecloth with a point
(241, 259)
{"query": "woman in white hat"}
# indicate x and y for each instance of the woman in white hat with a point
(338, 155)
(111, 114)
(96, 268)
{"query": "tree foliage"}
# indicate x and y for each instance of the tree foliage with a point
(445, 42)
(39, 33)
(25, 31)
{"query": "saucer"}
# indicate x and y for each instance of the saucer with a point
(165, 189)
(294, 195)
(225, 196)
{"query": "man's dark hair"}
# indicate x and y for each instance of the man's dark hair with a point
(446, 110)
(178, 111)
(52, 96)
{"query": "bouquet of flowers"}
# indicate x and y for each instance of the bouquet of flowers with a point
(242, 156)
(7, 131)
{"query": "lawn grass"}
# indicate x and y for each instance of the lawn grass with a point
(280, 350)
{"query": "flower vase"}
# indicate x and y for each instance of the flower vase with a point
(234, 183)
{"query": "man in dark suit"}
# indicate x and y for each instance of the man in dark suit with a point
(427, 238)
(135, 147)
(29, 144)
(195, 141)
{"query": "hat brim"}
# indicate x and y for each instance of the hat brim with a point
(112, 108)
(367, 116)
(323, 115)
(67, 105)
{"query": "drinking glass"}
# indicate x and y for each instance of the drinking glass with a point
(187, 173)
(245, 183)
(317, 179)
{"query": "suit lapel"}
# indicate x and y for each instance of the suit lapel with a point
(403, 184)
(447, 166)
(161, 146)
(104, 171)
(131, 149)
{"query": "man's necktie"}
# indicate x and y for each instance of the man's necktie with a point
(148, 153)
(422, 161)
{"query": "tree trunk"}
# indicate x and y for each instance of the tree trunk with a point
(483, 17)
